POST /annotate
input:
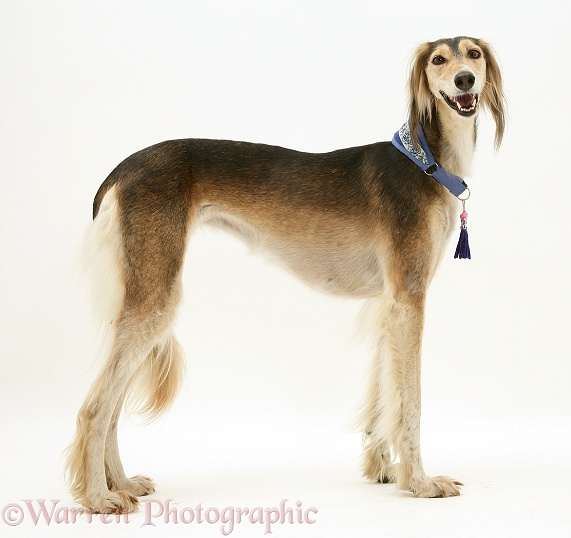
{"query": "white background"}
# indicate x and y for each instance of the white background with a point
(274, 376)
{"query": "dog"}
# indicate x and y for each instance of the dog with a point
(364, 222)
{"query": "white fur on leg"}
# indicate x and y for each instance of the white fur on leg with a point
(114, 473)
(391, 415)
(380, 415)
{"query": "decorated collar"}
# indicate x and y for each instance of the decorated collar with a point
(423, 158)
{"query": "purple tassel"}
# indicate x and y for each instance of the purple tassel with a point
(463, 248)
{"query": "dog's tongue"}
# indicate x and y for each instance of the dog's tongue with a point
(465, 100)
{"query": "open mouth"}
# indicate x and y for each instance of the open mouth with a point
(465, 104)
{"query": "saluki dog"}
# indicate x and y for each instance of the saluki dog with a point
(364, 222)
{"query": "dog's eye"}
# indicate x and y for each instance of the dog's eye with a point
(438, 60)
(474, 54)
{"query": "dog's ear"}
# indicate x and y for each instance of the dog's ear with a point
(493, 93)
(420, 98)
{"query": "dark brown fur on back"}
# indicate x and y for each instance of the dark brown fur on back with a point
(335, 181)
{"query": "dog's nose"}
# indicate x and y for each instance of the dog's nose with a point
(464, 80)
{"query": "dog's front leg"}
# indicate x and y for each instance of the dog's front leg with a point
(397, 404)
(378, 464)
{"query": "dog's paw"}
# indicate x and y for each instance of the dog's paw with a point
(113, 502)
(385, 475)
(378, 468)
(139, 485)
(436, 486)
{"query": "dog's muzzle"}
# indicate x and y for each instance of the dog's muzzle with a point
(466, 103)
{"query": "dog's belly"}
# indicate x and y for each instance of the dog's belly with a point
(345, 272)
(326, 260)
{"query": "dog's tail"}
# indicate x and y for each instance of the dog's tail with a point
(155, 384)
(103, 261)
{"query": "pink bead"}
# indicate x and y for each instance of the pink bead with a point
(464, 215)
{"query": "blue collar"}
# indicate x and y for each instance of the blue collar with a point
(424, 159)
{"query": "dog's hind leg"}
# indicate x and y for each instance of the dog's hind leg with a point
(94, 462)
(144, 354)
(114, 473)
(159, 378)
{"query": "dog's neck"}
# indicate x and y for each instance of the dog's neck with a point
(452, 140)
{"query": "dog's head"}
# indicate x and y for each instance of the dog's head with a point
(455, 76)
